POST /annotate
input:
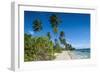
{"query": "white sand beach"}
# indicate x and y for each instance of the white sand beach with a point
(65, 55)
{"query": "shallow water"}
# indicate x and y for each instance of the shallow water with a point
(81, 54)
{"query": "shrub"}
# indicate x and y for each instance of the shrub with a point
(37, 48)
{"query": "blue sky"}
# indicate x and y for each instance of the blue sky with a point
(76, 26)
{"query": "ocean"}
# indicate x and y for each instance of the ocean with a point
(81, 53)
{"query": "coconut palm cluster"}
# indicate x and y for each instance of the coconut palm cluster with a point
(43, 48)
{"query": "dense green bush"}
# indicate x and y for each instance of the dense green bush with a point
(37, 48)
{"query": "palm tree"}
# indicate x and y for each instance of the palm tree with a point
(49, 35)
(54, 21)
(63, 41)
(62, 34)
(62, 38)
(37, 25)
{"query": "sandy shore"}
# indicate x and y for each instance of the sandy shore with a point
(65, 55)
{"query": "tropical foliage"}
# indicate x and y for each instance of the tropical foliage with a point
(38, 48)
(37, 25)
(55, 22)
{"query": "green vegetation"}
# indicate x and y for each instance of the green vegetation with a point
(57, 47)
(40, 48)
(63, 42)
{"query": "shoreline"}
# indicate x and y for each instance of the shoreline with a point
(69, 55)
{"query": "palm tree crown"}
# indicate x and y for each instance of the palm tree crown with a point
(54, 21)
(62, 34)
(37, 25)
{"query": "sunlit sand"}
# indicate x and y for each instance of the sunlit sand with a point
(65, 55)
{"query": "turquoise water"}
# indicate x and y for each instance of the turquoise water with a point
(81, 53)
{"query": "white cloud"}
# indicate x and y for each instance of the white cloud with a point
(31, 32)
